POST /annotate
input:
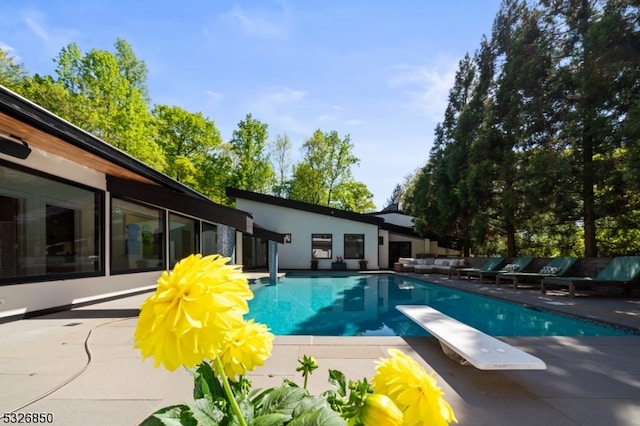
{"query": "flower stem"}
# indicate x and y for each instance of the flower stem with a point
(227, 389)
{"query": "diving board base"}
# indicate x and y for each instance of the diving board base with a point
(466, 344)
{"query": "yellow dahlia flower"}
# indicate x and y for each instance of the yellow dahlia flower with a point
(415, 392)
(378, 410)
(193, 308)
(249, 346)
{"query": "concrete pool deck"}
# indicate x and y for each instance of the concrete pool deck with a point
(80, 365)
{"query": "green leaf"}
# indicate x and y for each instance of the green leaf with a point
(281, 400)
(317, 413)
(175, 415)
(206, 382)
(206, 413)
(272, 419)
(310, 403)
(337, 378)
(247, 410)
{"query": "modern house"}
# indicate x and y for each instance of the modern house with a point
(324, 234)
(82, 221)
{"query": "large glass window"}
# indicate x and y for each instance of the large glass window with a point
(254, 252)
(354, 246)
(209, 239)
(136, 237)
(47, 227)
(321, 245)
(183, 238)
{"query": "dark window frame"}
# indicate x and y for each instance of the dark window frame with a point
(348, 254)
(99, 230)
(321, 247)
(161, 266)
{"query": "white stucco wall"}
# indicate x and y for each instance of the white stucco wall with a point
(301, 225)
(383, 250)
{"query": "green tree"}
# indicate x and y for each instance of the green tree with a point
(329, 160)
(441, 200)
(281, 161)
(12, 75)
(324, 176)
(570, 22)
(354, 196)
(187, 139)
(110, 95)
(514, 77)
(396, 196)
(306, 184)
(252, 170)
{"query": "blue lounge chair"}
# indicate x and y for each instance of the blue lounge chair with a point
(622, 271)
(516, 265)
(557, 267)
(490, 265)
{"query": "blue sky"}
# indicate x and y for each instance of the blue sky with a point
(377, 70)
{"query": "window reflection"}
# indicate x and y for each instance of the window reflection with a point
(47, 227)
(136, 237)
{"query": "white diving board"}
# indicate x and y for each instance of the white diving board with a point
(466, 344)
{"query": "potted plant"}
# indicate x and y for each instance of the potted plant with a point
(314, 264)
(339, 264)
(363, 264)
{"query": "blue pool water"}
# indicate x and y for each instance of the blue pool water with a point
(364, 305)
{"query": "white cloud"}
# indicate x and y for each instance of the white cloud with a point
(295, 112)
(427, 86)
(8, 49)
(275, 106)
(259, 24)
(213, 97)
(52, 38)
(11, 52)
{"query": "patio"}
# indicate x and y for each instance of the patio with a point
(589, 381)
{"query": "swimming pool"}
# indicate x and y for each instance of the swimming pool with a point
(364, 305)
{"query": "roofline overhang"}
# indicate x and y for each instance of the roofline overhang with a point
(25, 111)
(235, 193)
(181, 203)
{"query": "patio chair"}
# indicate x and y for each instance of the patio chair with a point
(622, 271)
(517, 265)
(557, 267)
(490, 265)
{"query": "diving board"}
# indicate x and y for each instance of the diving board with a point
(466, 344)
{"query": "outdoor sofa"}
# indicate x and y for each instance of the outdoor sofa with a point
(429, 265)
(404, 264)
(448, 265)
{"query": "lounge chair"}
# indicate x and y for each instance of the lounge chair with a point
(557, 267)
(490, 265)
(517, 265)
(621, 271)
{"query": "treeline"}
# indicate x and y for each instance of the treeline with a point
(538, 152)
(105, 93)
